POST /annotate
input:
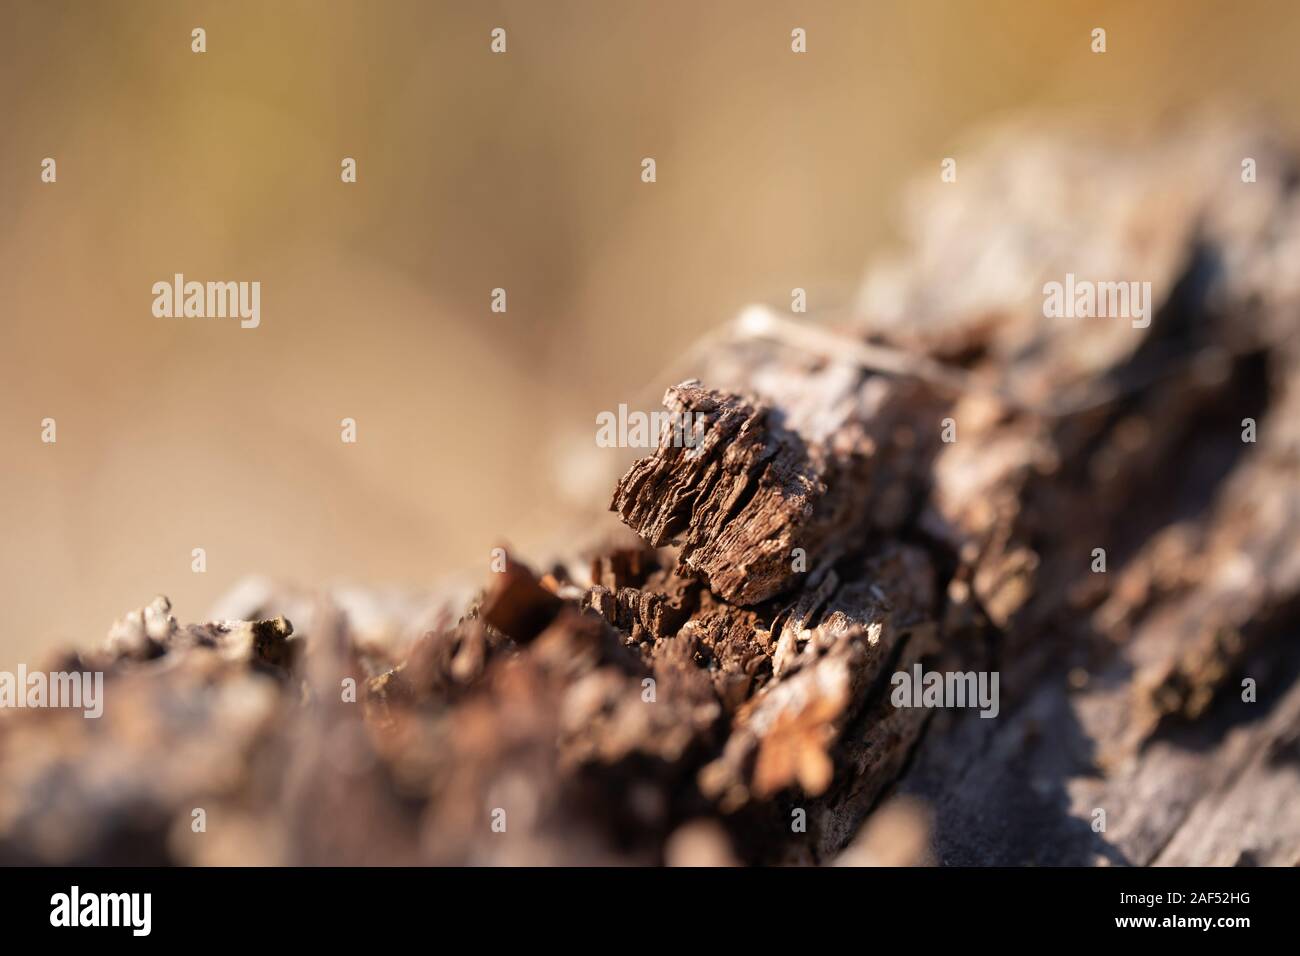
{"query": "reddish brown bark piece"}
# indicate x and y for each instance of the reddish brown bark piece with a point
(517, 605)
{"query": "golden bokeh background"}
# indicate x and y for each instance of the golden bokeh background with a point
(475, 171)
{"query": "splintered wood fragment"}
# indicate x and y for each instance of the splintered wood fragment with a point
(739, 499)
(767, 494)
(785, 736)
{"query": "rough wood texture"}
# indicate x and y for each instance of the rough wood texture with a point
(693, 697)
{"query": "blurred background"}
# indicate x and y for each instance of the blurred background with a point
(474, 171)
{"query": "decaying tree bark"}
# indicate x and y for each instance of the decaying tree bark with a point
(938, 481)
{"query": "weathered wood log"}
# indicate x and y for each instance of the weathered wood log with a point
(948, 480)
